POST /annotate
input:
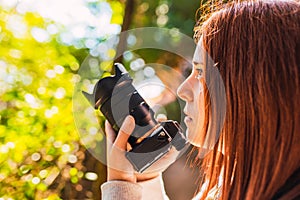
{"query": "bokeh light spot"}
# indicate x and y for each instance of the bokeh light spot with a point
(60, 93)
(50, 73)
(91, 176)
(36, 180)
(59, 69)
(36, 156)
(72, 159)
(65, 148)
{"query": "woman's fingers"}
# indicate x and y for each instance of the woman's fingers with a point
(124, 133)
(110, 133)
(119, 168)
(163, 163)
(161, 117)
(119, 140)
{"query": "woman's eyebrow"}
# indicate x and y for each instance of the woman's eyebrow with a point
(195, 63)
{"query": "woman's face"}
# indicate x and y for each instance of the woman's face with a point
(191, 91)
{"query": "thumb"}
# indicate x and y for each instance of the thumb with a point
(124, 132)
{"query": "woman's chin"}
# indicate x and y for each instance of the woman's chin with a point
(192, 138)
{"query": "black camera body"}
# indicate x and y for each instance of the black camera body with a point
(117, 98)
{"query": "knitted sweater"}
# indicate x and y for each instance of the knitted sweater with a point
(123, 190)
(152, 189)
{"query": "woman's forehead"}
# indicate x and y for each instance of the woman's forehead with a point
(198, 54)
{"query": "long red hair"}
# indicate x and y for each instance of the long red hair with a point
(256, 45)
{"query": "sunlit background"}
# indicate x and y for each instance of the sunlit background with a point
(43, 43)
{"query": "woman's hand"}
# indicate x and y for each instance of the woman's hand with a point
(118, 167)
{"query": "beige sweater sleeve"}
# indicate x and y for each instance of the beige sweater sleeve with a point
(146, 190)
(121, 190)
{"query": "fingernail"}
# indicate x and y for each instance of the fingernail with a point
(128, 124)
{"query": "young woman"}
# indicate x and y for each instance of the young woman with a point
(255, 46)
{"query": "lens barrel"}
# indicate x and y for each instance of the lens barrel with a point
(117, 98)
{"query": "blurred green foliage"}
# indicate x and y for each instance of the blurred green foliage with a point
(41, 156)
(37, 133)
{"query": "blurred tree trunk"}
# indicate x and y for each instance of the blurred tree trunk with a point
(91, 189)
(128, 16)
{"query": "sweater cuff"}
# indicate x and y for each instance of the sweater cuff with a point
(121, 190)
(154, 189)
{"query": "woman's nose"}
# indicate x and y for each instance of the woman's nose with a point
(185, 92)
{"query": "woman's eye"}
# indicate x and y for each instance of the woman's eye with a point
(199, 73)
(187, 72)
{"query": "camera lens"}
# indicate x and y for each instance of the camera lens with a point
(116, 97)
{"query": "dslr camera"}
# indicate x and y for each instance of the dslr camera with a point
(117, 98)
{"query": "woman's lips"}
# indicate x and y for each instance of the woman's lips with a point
(187, 120)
